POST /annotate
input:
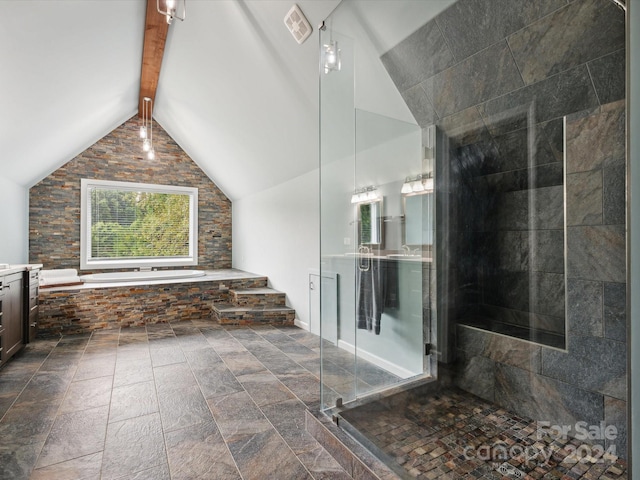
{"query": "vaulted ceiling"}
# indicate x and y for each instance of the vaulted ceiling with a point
(235, 91)
(235, 86)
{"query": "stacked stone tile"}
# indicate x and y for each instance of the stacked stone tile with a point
(82, 310)
(254, 306)
(54, 202)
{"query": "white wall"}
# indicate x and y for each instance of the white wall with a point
(276, 232)
(14, 218)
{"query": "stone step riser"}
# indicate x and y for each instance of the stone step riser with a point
(254, 306)
(254, 317)
(264, 300)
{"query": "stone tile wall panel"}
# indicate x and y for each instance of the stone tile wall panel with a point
(54, 202)
(506, 217)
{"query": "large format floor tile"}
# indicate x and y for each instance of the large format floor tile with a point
(183, 400)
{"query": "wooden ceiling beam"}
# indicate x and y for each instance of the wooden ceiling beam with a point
(155, 38)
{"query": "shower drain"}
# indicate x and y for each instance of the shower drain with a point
(510, 471)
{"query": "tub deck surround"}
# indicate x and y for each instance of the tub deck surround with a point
(87, 307)
(254, 306)
(141, 275)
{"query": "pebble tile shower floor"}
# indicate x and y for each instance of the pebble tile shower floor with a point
(455, 435)
(169, 401)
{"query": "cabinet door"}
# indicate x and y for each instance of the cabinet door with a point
(13, 320)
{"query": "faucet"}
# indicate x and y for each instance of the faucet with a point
(407, 250)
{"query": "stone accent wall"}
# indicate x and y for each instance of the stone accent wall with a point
(498, 89)
(54, 203)
(588, 381)
(82, 310)
(498, 79)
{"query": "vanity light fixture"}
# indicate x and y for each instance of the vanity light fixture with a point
(422, 183)
(417, 186)
(406, 186)
(171, 10)
(428, 184)
(366, 194)
(146, 130)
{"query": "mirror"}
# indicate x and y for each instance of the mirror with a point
(370, 223)
(418, 219)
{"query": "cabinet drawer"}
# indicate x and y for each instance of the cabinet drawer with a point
(33, 299)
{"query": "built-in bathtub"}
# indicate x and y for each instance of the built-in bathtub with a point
(141, 276)
(132, 299)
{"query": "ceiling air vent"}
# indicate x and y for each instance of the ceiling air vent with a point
(297, 24)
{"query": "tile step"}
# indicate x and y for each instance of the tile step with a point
(258, 296)
(227, 314)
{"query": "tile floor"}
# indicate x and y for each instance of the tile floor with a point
(455, 435)
(181, 400)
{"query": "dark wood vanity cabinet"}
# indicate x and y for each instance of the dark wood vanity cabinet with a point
(31, 285)
(11, 315)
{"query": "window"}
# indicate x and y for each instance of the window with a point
(128, 225)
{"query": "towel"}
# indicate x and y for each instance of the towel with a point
(376, 289)
(370, 293)
(63, 276)
(391, 289)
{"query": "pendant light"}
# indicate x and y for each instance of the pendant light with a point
(146, 130)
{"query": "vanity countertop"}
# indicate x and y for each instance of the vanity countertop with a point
(10, 269)
(394, 257)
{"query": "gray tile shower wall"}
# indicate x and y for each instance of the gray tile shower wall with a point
(499, 77)
(54, 202)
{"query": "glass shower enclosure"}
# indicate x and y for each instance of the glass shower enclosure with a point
(473, 216)
(377, 184)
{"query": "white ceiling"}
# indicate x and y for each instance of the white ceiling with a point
(239, 94)
(69, 74)
(236, 91)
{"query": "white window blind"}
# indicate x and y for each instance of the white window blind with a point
(128, 224)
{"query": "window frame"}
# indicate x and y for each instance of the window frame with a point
(89, 263)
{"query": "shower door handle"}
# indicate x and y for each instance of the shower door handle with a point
(363, 254)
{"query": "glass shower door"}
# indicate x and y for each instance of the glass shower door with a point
(376, 239)
(392, 267)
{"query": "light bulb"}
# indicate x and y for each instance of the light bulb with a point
(152, 154)
(171, 4)
(331, 57)
(428, 184)
(417, 186)
(146, 145)
(143, 132)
